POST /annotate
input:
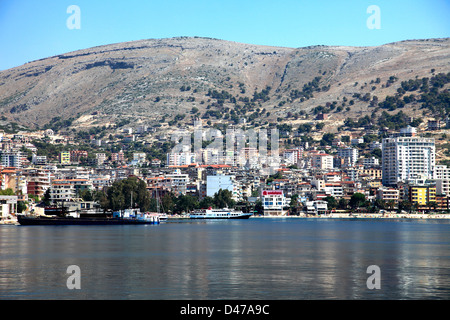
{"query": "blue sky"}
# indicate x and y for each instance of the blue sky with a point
(35, 29)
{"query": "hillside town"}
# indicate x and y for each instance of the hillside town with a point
(346, 176)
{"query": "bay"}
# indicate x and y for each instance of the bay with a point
(255, 259)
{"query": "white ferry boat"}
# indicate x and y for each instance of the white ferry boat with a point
(218, 214)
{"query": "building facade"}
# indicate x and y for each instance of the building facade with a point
(407, 159)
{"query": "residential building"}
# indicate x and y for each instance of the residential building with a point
(441, 172)
(348, 154)
(442, 202)
(322, 161)
(292, 156)
(140, 157)
(407, 158)
(443, 186)
(375, 145)
(334, 190)
(371, 162)
(274, 202)
(180, 159)
(435, 124)
(100, 158)
(356, 141)
(118, 157)
(422, 195)
(8, 207)
(77, 184)
(212, 156)
(11, 158)
(39, 160)
(373, 173)
(77, 155)
(62, 192)
(248, 156)
(317, 207)
(179, 182)
(64, 157)
(388, 194)
(38, 181)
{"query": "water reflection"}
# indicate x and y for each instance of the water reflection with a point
(256, 259)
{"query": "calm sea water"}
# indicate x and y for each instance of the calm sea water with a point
(259, 258)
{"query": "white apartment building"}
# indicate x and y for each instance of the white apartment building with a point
(407, 158)
(356, 141)
(212, 156)
(441, 172)
(443, 186)
(100, 158)
(442, 177)
(292, 156)
(11, 158)
(274, 202)
(371, 162)
(140, 157)
(318, 184)
(388, 194)
(179, 182)
(62, 192)
(316, 207)
(334, 189)
(350, 153)
(8, 207)
(180, 159)
(322, 161)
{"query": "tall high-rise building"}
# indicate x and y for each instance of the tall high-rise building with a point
(407, 158)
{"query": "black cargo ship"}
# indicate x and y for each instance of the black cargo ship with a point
(87, 219)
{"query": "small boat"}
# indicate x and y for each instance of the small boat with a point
(218, 214)
(163, 216)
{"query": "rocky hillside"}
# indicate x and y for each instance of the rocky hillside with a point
(174, 80)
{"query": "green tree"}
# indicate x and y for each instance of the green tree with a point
(343, 204)
(332, 202)
(168, 202)
(320, 125)
(46, 199)
(86, 195)
(126, 193)
(259, 207)
(405, 205)
(185, 203)
(293, 205)
(357, 200)
(206, 203)
(7, 192)
(223, 199)
(21, 206)
(380, 204)
(327, 139)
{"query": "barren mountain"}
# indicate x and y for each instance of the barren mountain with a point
(144, 81)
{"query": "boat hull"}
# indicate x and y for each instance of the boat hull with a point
(44, 221)
(209, 217)
(219, 218)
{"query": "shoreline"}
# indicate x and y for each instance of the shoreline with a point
(412, 216)
(364, 216)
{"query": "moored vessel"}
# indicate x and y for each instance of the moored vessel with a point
(126, 217)
(218, 214)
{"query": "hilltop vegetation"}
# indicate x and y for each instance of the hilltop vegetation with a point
(172, 81)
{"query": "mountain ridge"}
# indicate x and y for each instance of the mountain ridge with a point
(144, 80)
